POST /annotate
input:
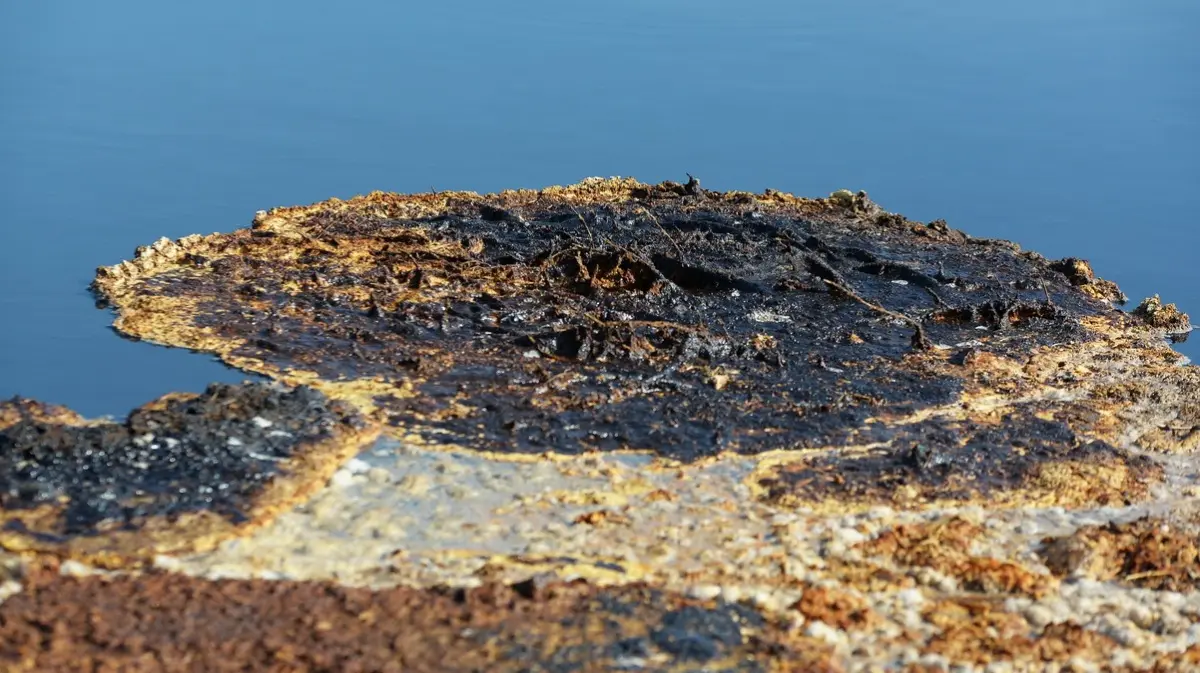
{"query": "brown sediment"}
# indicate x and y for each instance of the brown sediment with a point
(181, 473)
(841, 609)
(162, 622)
(1150, 553)
(946, 545)
(1178, 662)
(981, 632)
(613, 315)
(1080, 273)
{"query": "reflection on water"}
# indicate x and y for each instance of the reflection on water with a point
(1069, 127)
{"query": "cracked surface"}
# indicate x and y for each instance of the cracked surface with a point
(869, 443)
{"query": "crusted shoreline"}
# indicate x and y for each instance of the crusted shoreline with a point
(889, 444)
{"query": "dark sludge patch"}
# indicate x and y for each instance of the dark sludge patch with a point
(1022, 456)
(66, 483)
(173, 622)
(674, 414)
(998, 314)
(615, 316)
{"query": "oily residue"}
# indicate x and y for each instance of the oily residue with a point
(63, 479)
(607, 315)
(968, 460)
(862, 426)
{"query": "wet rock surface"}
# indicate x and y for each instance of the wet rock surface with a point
(176, 471)
(655, 427)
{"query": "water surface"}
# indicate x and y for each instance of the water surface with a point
(1069, 127)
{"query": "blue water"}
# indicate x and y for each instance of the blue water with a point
(1071, 127)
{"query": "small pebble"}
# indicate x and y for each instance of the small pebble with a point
(820, 630)
(1039, 616)
(357, 466)
(415, 484)
(704, 591)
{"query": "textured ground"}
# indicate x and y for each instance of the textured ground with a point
(180, 474)
(626, 427)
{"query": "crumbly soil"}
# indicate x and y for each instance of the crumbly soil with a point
(657, 426)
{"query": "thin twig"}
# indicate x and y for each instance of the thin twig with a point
(591, 236)
(1146, 575)
(658, 224)
(936, 297)
(919, 341)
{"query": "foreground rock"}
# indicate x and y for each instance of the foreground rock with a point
(913, 447)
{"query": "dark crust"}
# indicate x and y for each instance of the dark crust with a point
(178, 472)
(856, 357)
(613, 315)
(967, 460)
(162, 622)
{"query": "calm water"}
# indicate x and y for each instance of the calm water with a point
(1071, 127)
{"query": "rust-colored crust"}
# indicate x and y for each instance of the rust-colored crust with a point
(680, 430)
(161, 622)
(1151, 553)
(170, 622)
(946, 546)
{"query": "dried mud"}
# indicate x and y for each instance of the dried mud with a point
(650, 427)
